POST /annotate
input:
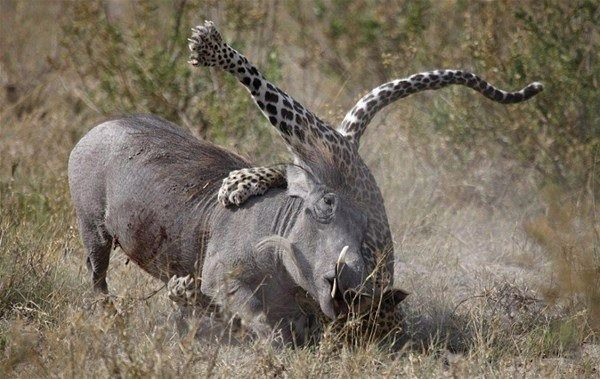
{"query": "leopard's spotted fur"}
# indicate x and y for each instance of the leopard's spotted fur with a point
(356, 120)
(239, 185)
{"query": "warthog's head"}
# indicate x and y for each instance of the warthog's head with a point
(326, 240)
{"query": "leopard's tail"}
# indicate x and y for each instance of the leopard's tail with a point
(441, 78)
(360, 115)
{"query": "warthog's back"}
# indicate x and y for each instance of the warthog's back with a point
(150, 187)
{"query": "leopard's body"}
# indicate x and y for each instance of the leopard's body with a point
(315, 144)
(307, 136)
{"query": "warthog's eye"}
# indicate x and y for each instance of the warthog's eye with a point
(324, 208)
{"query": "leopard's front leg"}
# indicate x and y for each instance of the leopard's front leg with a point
(185, 291)
(241, 184)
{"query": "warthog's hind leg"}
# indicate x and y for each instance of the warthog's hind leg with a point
(98, 244)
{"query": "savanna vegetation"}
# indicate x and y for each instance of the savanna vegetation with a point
(493, 208)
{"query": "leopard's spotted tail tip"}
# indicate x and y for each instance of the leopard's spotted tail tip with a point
(535, 88)
(539, 87)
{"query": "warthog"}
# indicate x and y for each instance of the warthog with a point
(149, 187)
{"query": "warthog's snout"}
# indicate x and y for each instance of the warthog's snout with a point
(344, 283)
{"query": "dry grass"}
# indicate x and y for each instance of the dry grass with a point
(503, 277)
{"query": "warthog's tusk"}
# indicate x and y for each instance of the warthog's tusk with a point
(338, 268)
(334, 286)
(342, 258)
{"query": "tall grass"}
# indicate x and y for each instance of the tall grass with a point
(492, 208)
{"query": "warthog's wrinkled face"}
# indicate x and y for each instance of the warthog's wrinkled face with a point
(327, 239)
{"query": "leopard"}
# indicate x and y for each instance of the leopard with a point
(314, 143)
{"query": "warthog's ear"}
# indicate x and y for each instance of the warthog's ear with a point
(300, 182)
(396, 296)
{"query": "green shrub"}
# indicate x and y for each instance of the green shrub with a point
(138, 64)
